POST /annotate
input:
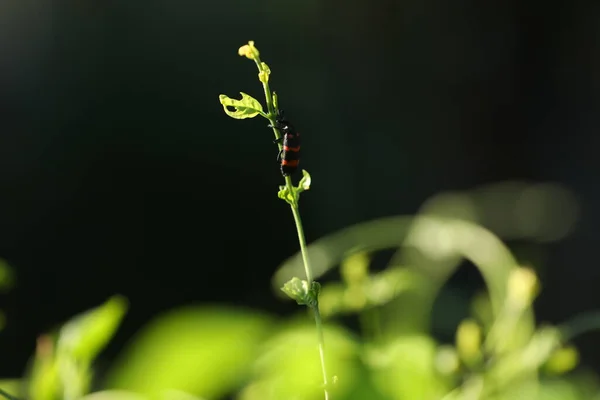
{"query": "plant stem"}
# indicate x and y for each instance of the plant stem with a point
(319, 325)
(301, 238)
(580, 324)
(309, 278)
(300, 230)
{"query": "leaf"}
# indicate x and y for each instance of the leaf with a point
(247, 107)
(113, 395)
(289, 365)
(10, 388)
(405, 369)
(203, 351)
(305, 182)
(86, 335)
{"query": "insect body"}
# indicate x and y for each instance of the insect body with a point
(289, 156)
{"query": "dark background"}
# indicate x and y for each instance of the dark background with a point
(120, 173)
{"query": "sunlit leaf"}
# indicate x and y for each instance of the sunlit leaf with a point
(247, 107)
(405, 369)
(114, 395)
(289, 366)
(84, 336)
(202, 351)
(11, 387)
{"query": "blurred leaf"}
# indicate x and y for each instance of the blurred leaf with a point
(201, 351)
(289, 365)
(481, 309)
(432, 248)
(247, 107)
(558, 390)
(113, 395)
(13, 387)
(84, 336)
(519, 365)
(405, 369)
(435, 247)
(447, 361)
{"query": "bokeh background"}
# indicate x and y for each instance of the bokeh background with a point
(120, 173)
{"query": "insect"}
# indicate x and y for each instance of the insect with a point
(289, 156)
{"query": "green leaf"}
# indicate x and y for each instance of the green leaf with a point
(10, 388)
(304, 182)
(247, 107)
(289, 365)
(405, 369)
(85, 336)
(203, 351)
(113, 395)
(298, 290)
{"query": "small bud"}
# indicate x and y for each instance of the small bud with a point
(562, 360)
(264, 73)
(355, 269)
(468, 341)
(298, 290)
(249, 51)
(523, 286)
(446, 360)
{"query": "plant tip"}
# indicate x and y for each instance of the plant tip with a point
(249, 51)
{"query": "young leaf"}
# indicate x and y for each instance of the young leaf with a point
(247, 107)
(203, 351)
(85, 335)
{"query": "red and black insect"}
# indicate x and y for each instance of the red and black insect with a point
(289, 156)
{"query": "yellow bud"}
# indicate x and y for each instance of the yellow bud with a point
(446, 360)
(562, 360)
(249, 51)
(523, 286)
(355, 298)
(468, 341)
(355, 268)
(264, 73)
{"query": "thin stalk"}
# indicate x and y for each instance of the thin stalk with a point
(309, 278)
(580, 324)
(301, 238)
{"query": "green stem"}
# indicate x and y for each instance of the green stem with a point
(580, 324)
(319, 325)
(309, 278)
(301, 239)
(296, 211)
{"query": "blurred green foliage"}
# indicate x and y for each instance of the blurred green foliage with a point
(211, 352)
